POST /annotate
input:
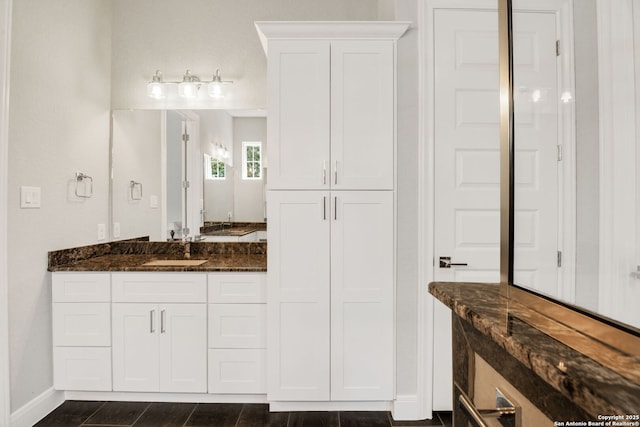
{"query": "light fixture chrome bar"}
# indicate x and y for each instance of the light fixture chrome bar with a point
(188, 87)
(507, 149)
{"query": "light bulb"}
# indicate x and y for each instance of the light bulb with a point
(155, 88)
(215, 87)
(188, 88)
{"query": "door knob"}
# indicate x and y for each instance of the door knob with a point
(445, 262)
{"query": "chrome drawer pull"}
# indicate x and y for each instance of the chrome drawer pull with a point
(152, 328)
(505, 410)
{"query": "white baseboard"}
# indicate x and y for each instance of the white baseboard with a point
(36, 409)
(407, 408)
(329, 406)
(165, 397)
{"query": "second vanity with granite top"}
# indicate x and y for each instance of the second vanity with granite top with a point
(138, 317)
(553, 374)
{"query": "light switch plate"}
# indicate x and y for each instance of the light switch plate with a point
(153, 202)
(29, 197)
(102, 231)
(116, 229)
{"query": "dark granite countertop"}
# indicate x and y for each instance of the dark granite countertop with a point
(613, 389)
(231, 229)
(131, 255)
(135, 263)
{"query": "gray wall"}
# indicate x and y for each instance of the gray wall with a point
(248, 194)
(408, 240)
(136, 156)
(587, 155)
(216, 127)
(204, 35)
(175, 171)
(58, 124)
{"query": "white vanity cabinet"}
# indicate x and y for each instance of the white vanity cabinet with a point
(237, 333)
(159, 332)
(81, 331)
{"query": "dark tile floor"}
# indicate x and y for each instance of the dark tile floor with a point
(88, 413)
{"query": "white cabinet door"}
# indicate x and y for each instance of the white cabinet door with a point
(183, 348)
(136, 361)
(159, 347)
(362, 115)
(298, 295)
(298, 130)
(362, 295)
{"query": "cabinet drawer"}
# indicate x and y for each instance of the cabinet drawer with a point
(81, 287)
(159, 287)
(237, 371)
(82, 368)
(237, 287)
(82, 324)
(237, 325)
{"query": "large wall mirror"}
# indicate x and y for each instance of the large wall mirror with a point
(178, 170)
(576, 101)
(149, 35)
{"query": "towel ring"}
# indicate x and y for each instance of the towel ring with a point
(132, 190)
(81, 178)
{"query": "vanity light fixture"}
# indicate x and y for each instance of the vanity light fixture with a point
(220, 152)
(188, 88)
(156, 88)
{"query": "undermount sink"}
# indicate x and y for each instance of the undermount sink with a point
(175, 263)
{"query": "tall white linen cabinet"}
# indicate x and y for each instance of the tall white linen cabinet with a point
(331, 211)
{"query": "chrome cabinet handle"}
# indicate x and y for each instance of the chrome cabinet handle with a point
(335, 208)
(324, 172)
(324, 208)
(335, 173)
(471, 410)
(163, 322)
(505, 412)
(152, 314)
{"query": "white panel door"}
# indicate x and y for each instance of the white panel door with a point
(183, 348)
(362, 115)
(135, 347)
(298, 295)
(298, 104)
(537, 184)
(467, 152)
(362, 295)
